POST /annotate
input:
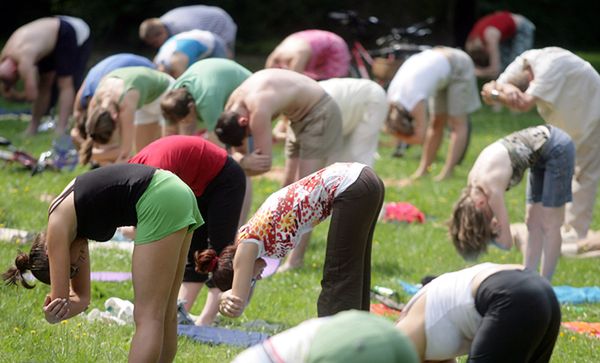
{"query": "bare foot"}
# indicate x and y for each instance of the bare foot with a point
(31, 131)
(442, 177)
(405, 182)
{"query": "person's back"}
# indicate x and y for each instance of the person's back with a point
(287, 92)
(106, 66)
(148, 82)
(352, 95)
(500, 20)
(567, 89)
(419, 77)
(32, 41)
(211, 18)
(211, 82)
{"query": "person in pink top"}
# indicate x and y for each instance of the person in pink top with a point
(318, 54)
(219, 184)
(351, 193)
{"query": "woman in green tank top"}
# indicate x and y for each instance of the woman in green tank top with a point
(124, 114)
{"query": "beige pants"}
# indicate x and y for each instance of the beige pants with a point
(578, 216)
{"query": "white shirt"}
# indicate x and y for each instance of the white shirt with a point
(419, 78)
(352, 95)
(567, 89)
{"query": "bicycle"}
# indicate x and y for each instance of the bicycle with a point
(381, 63)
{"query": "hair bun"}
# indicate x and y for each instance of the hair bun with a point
(22, 262)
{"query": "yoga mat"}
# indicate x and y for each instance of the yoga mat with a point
(215, 335)
(577, 295)
(272, 265)
(383, 310)
(110, 276)
(582, 327)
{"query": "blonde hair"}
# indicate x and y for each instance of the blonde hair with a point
(469, 227)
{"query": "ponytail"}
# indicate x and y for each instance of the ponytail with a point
(219, 266)
(36, 262)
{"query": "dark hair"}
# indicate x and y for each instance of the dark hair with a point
(399, 121)
(221, 270)
(36, 262)
(99, 128)
(174, 105)
(480, 56)
(469, 227)
(228, 129)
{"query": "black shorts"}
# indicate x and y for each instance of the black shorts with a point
(220, 205)
(67, 58)
(521, 318)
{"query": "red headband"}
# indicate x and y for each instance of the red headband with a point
(213, 264)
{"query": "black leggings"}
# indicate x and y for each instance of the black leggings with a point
(347, 269)
(521, 318)
(220, 206)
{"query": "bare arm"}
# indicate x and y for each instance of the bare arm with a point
(126, 118)
(80, 295)
(261, 157)
(65, 99)
(234, 301)
(496, 202)
(507, 95)
(492, 45)
(419, 114)
(29, 73)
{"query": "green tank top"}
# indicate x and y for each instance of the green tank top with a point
(210, 82)
(148, 82)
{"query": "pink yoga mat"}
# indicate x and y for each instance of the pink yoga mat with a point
(272, 265)
(110, 276)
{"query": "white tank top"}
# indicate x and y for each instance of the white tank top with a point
(451, 319)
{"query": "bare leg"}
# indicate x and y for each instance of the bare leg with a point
(247, 202)
(552, 218)
(40, 104)
(188, 292)
(145, 134)
(291, 172)
(211, 308)
(296, 257)
(66, 98)
(157, 273)
(458, 143)
(533, 250)
(433, 140)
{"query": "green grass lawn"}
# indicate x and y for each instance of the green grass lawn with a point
(406, 252)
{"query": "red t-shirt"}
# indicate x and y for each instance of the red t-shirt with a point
(501, 20)
(193, 159)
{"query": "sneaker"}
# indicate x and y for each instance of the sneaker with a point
(183, 317)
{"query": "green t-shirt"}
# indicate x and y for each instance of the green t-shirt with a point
(148, 82)
(210, 82)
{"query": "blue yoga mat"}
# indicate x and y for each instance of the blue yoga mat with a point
(565, 294)
(215, 335)
(577, 295)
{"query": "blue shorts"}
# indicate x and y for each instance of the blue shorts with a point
(550, 177)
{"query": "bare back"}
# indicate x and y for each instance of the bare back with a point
(32, 41)
(277, 91)
(492, 170)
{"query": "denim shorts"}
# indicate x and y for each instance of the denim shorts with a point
(550, 177)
